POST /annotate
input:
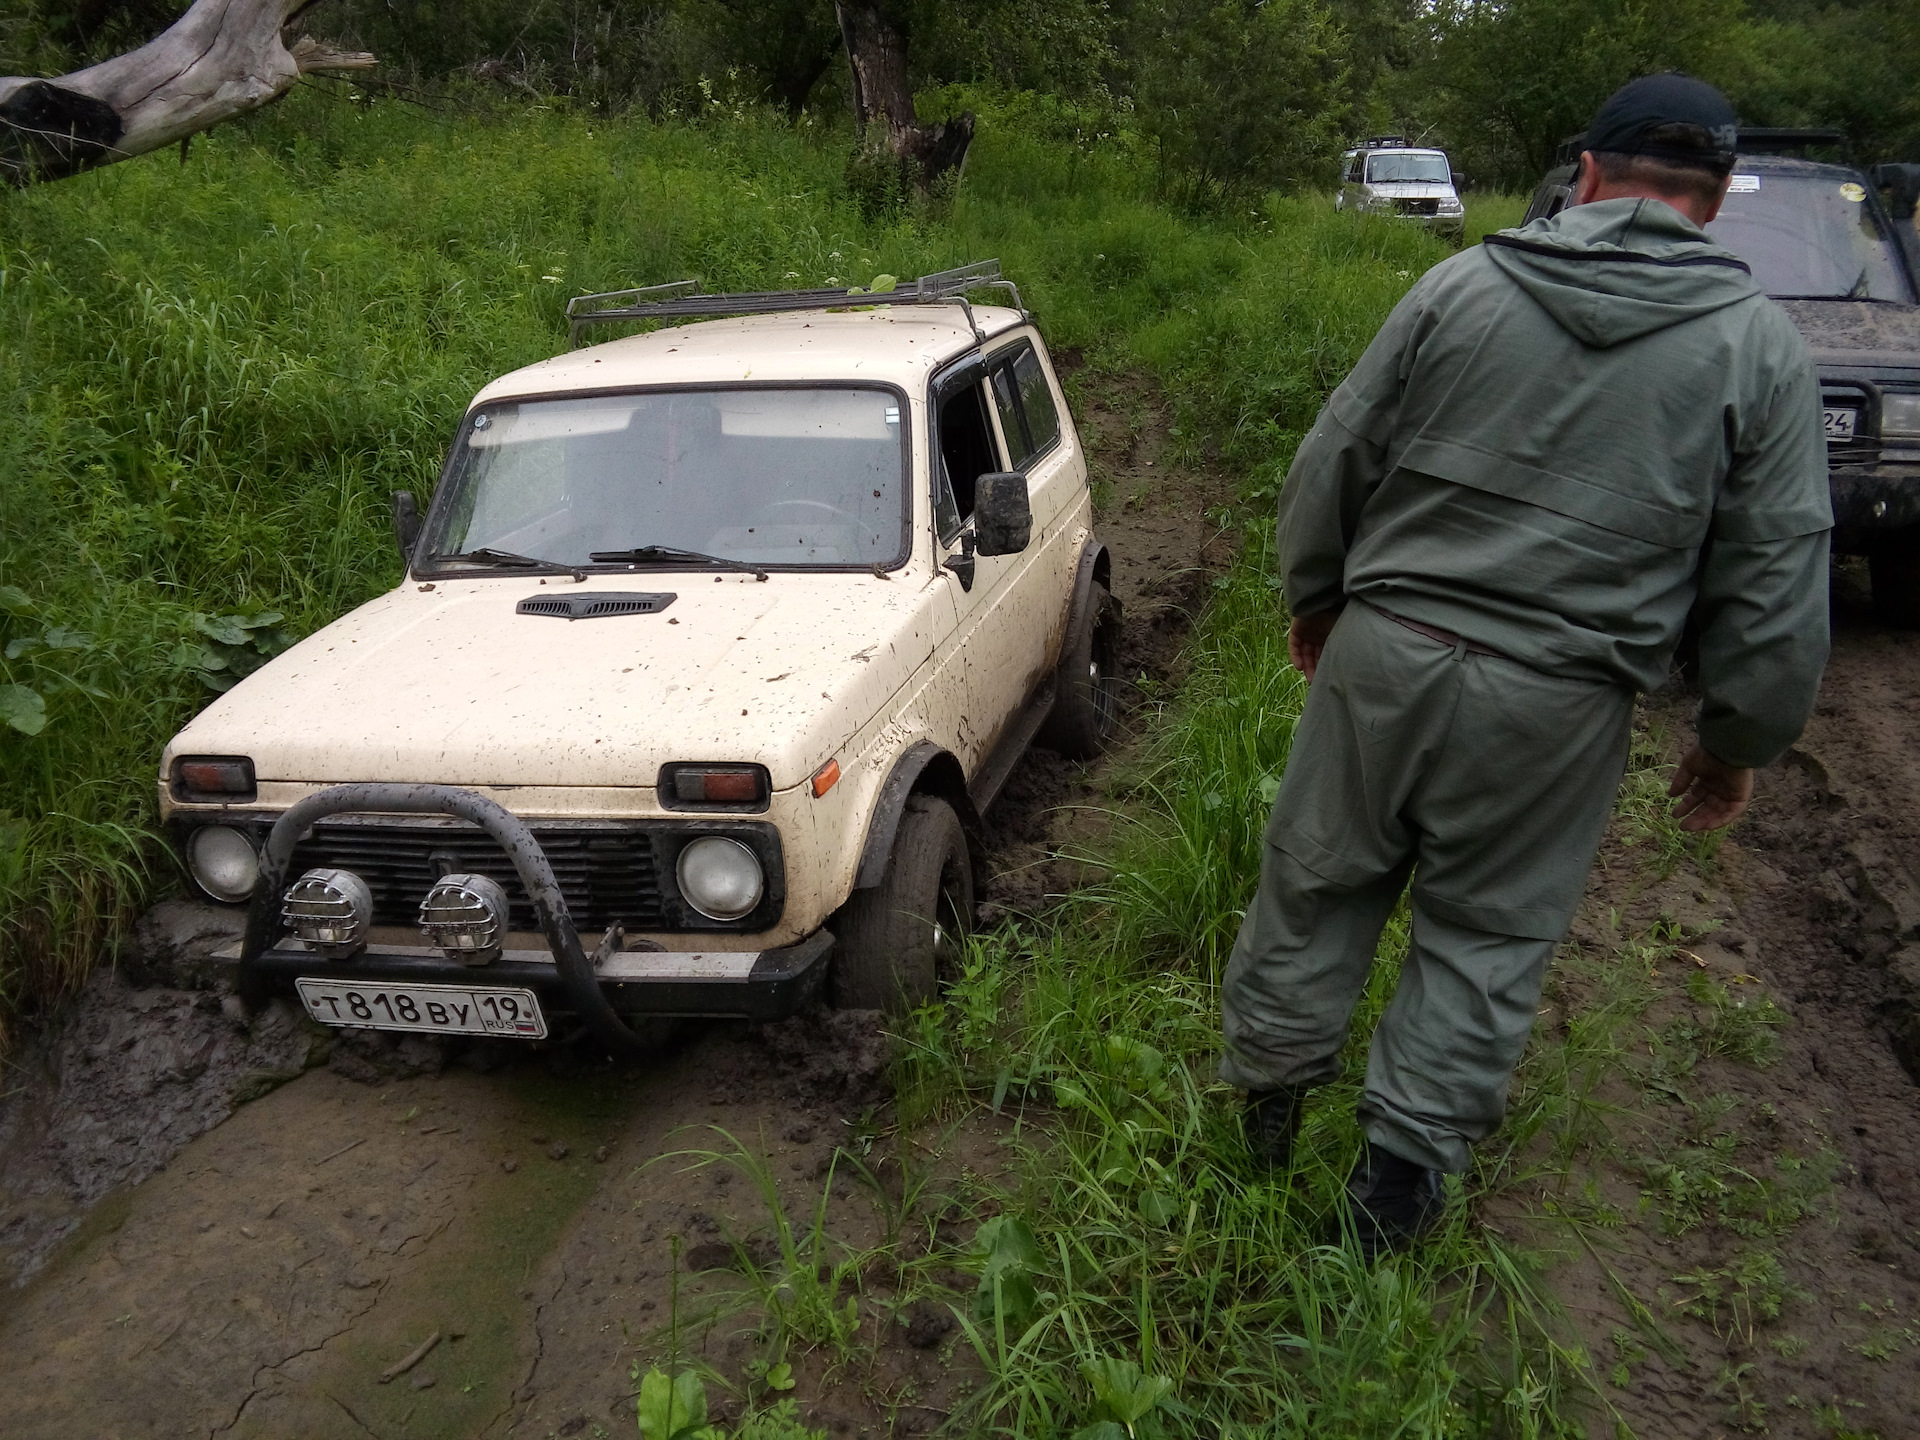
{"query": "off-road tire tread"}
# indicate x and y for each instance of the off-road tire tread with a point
(1076, 728)
(884, 955)
(1894, 566)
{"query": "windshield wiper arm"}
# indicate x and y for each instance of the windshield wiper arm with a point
(487, 555)
(640, 554)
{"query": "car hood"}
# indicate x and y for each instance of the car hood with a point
(1858, 332)
(448, 684)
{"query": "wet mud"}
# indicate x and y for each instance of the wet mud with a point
(227, 1225)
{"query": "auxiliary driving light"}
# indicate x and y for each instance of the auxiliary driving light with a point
(224, 862)
(331, 910)
(720, 877)
(465, 916)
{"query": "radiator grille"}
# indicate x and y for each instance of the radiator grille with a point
(606, 874)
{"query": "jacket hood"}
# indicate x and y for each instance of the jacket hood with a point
(1614, 270)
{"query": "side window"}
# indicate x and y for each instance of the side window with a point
(1036, 401)
(966, 453)
(1353, 170)
(1025, 402)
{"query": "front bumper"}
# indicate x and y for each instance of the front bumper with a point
(599, 992)
(1872, 501)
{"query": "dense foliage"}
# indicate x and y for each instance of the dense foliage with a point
(1235, 94)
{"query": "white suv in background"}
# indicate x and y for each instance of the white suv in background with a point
(1387, 176)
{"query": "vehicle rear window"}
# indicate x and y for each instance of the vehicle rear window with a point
(1810, 236)
(779, 476)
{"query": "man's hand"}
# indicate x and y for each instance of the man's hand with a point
(1712, 793)
(1308, 638)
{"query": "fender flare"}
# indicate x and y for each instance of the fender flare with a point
(1095, 564)
(884, 824)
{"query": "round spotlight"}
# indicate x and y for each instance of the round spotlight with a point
(466, 917)
(331, 910)
(720, 877)
(223, 862)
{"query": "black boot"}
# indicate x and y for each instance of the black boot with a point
(1394, 1201)
(1271, 1121)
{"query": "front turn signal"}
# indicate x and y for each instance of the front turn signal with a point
(825, 778)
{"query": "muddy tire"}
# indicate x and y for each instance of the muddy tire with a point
(1087, 710)
(1894, 565)
(896, 940)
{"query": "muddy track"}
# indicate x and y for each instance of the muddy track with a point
(1816, 895)
(347, 1198)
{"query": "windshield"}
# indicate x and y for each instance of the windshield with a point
(1390, 165)
(1810, 236)
(810, 477)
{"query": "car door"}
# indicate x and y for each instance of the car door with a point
(997, 646)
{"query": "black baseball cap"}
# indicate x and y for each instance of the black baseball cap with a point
(1669, 117)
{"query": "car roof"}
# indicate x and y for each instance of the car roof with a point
(891, 345)
(1794, 165)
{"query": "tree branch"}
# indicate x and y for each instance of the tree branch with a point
(221, 59)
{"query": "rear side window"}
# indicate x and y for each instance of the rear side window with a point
(1025, 402)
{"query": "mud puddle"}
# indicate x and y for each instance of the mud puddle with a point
(551, 1219)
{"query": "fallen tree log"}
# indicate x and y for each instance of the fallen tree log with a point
(221, 59)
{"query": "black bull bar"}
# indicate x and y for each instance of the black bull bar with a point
(783, 984)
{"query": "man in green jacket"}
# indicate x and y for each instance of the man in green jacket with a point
(1560, 444)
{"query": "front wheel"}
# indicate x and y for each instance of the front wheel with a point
(1894, 567)
(1086, 711)
(896, 940)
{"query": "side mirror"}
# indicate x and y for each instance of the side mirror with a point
(406, 524)
(1002, 514)
(1459, 181)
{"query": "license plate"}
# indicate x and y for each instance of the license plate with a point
(436, 1009)
(1838, 421)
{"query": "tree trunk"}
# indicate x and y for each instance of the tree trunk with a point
(220, 59)
(896, 153)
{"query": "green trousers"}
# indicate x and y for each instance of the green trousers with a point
(1488, 783)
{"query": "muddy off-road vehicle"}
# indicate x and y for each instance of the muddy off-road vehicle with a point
(1820, 243)
(713, 647)
(1387, 176)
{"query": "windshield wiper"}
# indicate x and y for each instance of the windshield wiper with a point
(640, 554)
(487, 555)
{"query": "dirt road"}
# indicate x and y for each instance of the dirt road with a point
(531, 1211)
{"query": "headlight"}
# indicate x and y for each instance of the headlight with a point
(720, 877)
(331, 910)
(1452, 207)
(465, 916)
(1899, 417)
(223, 862)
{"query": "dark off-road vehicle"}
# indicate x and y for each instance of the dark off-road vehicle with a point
(1820, 242)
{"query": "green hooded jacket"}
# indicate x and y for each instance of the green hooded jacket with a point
(1564, 440)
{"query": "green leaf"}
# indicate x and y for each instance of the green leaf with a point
(883, 285)
(23, 709)
(1268, 789)
(23, 645)
(1122, 1391)
(780, 1377)
(226, 629)
(15, 601)
(189, 656)
(1008, 1242)
(1158, 1207)
(256, 622)
(672, 1409)
(59, 637)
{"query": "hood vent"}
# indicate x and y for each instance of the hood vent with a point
(593, 604)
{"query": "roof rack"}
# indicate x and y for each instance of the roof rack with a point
(682, 300)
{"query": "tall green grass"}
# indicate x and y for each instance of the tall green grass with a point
(215, 372)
